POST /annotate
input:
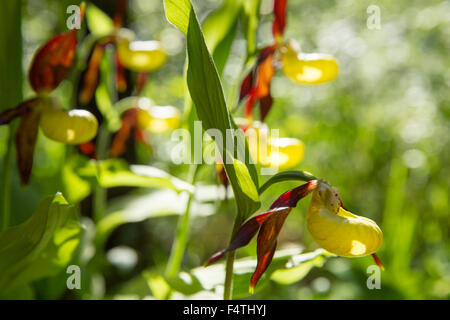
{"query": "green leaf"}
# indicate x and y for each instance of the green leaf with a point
(219, 30)
(299, 266)
(286, 176)
(207, 94)
(118, 173)
(288, 262)
(40, 247)
(100, 24)
(81, 175)
(139, 207)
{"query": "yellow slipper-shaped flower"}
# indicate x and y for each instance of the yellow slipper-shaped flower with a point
(139, 56)
(337, 230)
(307, 68)
(70, 127)
(158, 119)
(281, 153)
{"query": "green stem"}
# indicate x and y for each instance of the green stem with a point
(5, 197)
(99, 200)
(11, 92)
(228, 284)
(179, 245)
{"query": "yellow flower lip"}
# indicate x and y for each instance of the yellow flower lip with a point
(69, 127)
(338, 230)
(307, 68)
(282, 153)
(158, 119)
(139, 56)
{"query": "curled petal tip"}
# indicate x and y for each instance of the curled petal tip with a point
(214, 258)
(251, 289)
(378, 261)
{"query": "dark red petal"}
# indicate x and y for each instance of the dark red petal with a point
(25, 143)
(244, 234)
(267, 242)
(265, 73)
(119, 142)
(246, 86)
(91, 75)
(52, 62)
(291, 197)
(88, 148)
(279, 22)
(265, 104)
(249, 105)
(265, 53)
(9, 114)
(263, 262)
(121, 82)
(141, 81)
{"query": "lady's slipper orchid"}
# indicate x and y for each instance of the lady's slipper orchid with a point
(302, 68)
(334, 228)
(282, 153)
(337, 230)
(69, 127)
(158, 119)
(49, 67)
(144, 116)
(307, 68)
(139, 56)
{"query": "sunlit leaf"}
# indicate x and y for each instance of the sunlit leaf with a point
(86, 174)
(287, 176)
(39, 247)
(136, 208)
(99, 23)
(287, 260)
(202, 77)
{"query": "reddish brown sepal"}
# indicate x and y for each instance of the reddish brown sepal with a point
(119, 142)
(291, 197)
(246, 86)
(128, 129)
(269, 225)
(244, 234)
(25, 143)
(91, 75)
(10, 114)
(121, 82)
(256, 85)
(279, 22)
(265, 104)
(52, 62)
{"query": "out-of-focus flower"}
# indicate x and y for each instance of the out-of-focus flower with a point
(158, 119)
(281, 153)
(302, 68)
(307, 68)
(139, 56)
(50, 65)
(144, 116)
(69, 127)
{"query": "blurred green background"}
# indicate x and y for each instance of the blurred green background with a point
(380, 133)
